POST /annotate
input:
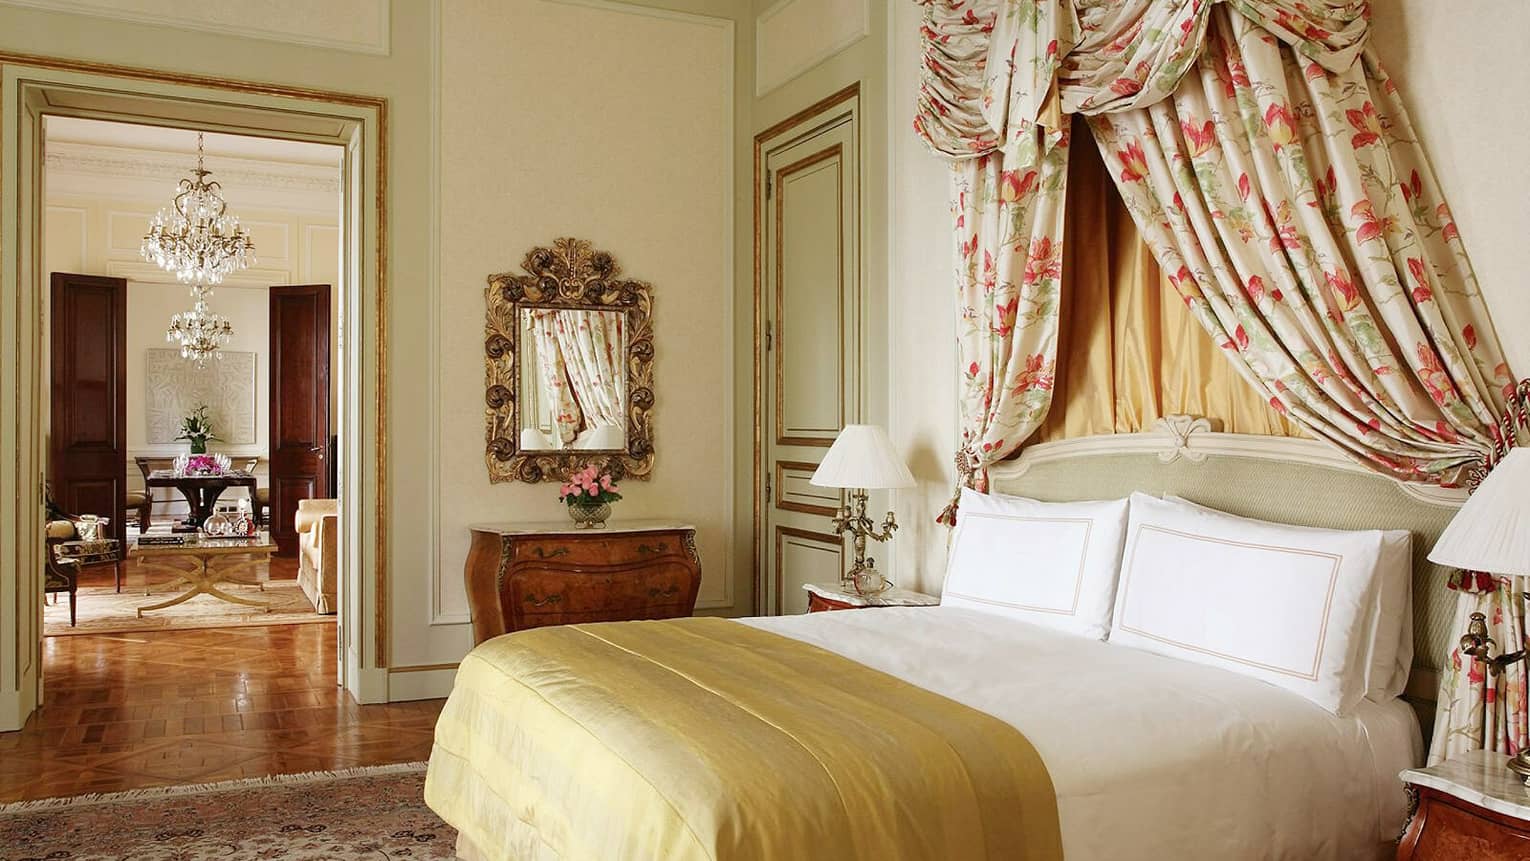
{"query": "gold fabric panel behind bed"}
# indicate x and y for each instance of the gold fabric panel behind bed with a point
(1129, 352)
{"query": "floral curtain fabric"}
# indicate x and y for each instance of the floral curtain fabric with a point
(552, 374)
(1007, 191)
(1479, 708)
(1269, 163)
(1301, 224)
(591, 343)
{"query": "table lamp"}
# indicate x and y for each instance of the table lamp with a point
(862, 459)
(1491, 534)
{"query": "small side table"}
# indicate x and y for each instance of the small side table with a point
(1470, 806)
(835, 596)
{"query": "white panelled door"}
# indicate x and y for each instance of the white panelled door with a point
(810, 306)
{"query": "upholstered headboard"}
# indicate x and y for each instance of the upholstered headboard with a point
(1297, 481)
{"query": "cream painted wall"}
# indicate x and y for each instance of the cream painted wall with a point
(922, 317)
(629, 145)
(1460, 68)
(1453, 69)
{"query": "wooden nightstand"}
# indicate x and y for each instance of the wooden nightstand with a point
(833, 596)
(1469, 807)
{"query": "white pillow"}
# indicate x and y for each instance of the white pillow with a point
(1051, 563)
(1289, 605)
(1391, 638)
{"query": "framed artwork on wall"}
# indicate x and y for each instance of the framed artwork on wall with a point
(173, 387)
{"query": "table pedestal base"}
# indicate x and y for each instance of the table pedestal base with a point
(203, 578)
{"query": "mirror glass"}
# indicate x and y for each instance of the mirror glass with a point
(573, 380)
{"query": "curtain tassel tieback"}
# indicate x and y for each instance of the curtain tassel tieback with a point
(1516, 417)
(1472, 581)
(967, 468)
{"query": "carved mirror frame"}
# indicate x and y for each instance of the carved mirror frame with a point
(570, 274)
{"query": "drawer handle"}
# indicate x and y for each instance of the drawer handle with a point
(544, 553)
(554, 598)
(656, 592)
(651, 551)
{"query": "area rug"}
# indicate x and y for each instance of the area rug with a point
(102, 610)
(363, 813)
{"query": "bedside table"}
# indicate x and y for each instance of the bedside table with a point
(834, 596)
(1468, 807)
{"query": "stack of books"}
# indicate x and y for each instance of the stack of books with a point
(161, 539)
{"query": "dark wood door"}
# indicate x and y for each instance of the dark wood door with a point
(87, 439)
(299, 405)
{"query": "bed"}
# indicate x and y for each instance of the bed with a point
(627, 751)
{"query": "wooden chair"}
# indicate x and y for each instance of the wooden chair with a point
(145, 507)
(61, 573)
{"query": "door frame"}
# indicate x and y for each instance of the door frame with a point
(809, 119)
(36, 86)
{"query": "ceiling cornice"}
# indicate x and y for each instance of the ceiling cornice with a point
(169, 168)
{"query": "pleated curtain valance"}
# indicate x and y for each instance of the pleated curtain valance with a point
(994, 68)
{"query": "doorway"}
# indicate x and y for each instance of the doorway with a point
(47, 89)
(809, 315)
(166, 439)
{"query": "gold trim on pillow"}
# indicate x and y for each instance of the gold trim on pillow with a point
(1078, 577)
(1322, 639)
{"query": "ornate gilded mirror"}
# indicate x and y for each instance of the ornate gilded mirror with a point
(569, 365)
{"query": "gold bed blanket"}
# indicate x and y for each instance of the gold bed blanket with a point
(708, 739)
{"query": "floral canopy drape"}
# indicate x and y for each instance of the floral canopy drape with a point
(552, 374)
(591, 342)
(1272, 169)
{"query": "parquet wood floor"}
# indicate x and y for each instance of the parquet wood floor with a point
(131, 711)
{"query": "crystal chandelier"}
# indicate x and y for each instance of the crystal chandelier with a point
(200, 332)
(195, 237)
(198, 240)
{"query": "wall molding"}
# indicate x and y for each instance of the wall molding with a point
(169, 167)
(305, 269)
(255, 278)
(83, 214)
(436, 613)
(765, 83)
(115, 12)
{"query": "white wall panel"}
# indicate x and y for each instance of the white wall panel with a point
(792, 36)
(348, 25)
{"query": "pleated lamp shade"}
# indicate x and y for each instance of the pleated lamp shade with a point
(862, 456)
(1491, 532)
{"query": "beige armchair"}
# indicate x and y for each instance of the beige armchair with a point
(318, 527)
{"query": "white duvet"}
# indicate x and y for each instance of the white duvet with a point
(1151, 757)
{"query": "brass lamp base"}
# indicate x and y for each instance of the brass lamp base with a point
(863, 575)
(1477, 644)
(1520, 765)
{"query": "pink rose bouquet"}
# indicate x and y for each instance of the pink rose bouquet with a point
(203, 464)
(589, 486)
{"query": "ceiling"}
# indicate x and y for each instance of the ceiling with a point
(158, 138)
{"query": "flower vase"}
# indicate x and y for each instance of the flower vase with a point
(199, 446)
(589, 515)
